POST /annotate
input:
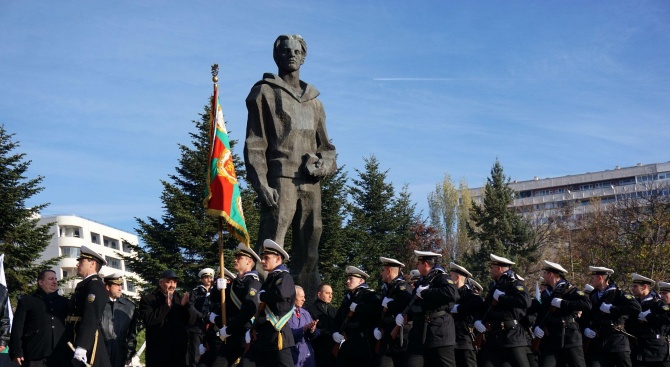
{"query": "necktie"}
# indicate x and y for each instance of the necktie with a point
(297, 312)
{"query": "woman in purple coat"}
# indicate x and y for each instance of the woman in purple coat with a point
(304, 330)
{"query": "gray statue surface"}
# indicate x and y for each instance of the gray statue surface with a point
(287, 152)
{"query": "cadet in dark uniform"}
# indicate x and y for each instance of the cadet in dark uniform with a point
(607, 343)
(355, 321)
(504, 307)
(432, 337)
(463, 311)
(651, 348)
(200, 301)
(396, 295)
(556, 324)
(274, 338)
(83, 323)
(241, 306)
(659, 314)
(119, 323)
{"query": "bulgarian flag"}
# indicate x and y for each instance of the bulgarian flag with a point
(223, 191)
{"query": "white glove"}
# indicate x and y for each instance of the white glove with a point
(497, 294)
(80, 355)
(385, 302)
(338, 338)
(479, 326)
(605, 307)
(643, 315)
(539, 333)
(212, 317)
(420, 289)
(259, 295)
(201, 349)
(221, 284)
(247, 337)
(223, 333)
(589, 333)
(556, 302)
(400, 320)
(352, 308)
(378, 333)
(454, 309)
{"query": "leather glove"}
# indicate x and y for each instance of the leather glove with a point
(556, 302)
(247, 337)
(400, 320)
(605, 307)
(352, 308)
(201, 349)
(338, 338)
(223, 333)
(378, 333)
(212, 317)
(497, 294)
(259, 295)
(420, 289)
(589, 333)
(385, 302)
(454, 309)
(80, 355)
(642, 316)
(479, 326)
(539, 333)
(221, 284)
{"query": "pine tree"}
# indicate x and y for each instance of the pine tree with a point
(22, 240)
(497, 228)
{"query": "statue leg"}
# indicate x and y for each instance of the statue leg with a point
(274, 223)
(307, 228)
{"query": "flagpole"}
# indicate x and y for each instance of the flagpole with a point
(215, 79)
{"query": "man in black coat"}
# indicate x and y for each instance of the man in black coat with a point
(83, 324)
(119, 323)
(39, 324)
(651, 348)
(166, 315)
(463, 311)
(323, 311)
(355, 321)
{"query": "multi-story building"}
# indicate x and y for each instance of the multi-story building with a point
(70, 232)
(549, 195)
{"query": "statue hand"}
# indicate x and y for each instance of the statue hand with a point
(269, 196)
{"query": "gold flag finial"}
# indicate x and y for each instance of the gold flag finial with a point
(215, 73)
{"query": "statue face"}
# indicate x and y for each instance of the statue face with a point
(289, 55)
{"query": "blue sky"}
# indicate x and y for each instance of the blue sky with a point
(100, 93)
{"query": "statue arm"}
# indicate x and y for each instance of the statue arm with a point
(324, 147)
(255, 147)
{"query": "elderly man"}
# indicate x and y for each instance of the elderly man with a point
(322, 311)
(304, 331)
(469, 302)
(651, 348)
(166, 315)
(199, 299)
(83, 323)
(119, 323)
(274, 338)
(355, 321)
(39, 323)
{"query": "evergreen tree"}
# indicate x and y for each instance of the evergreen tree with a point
(185, 238)
(497, 228)
(22, 240)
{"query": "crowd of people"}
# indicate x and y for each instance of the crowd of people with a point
(438, 316)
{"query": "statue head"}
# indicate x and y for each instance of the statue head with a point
(285, 43)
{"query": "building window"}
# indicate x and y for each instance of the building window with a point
(70, 231)
(559, 191)
(586, 187)
(126, 247)
(113, 262)
(65, 274)
(663, 175)
(70, 252)
(95, 238)
(627, 181)
(130, 286)
(110, 242)
(645, 178)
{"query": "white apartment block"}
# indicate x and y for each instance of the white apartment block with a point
(70, 232)
(547, 196)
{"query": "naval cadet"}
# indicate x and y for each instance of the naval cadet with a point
(651, 347)
(84, 321)
(119, 323)
(469, 302)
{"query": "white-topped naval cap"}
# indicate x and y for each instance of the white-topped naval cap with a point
(272, 247)
(554, 267)
(600, 270)
(387, 261)
(637, 278)
(459, 269)
(499, 260)
(356, 272)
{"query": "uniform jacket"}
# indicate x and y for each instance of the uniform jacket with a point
(86, 307)
(119, 327)
(432, 324)
(358, 329)
(282, 126)
(323, 343)
(608, 339)
(199, 298)
(245, 288)
(504, 316)
(468, 303)
(651, 334)
(279, 298)
(401, 293)
(302, 352)
(560, 324)
(165, 329)
(38, 327)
